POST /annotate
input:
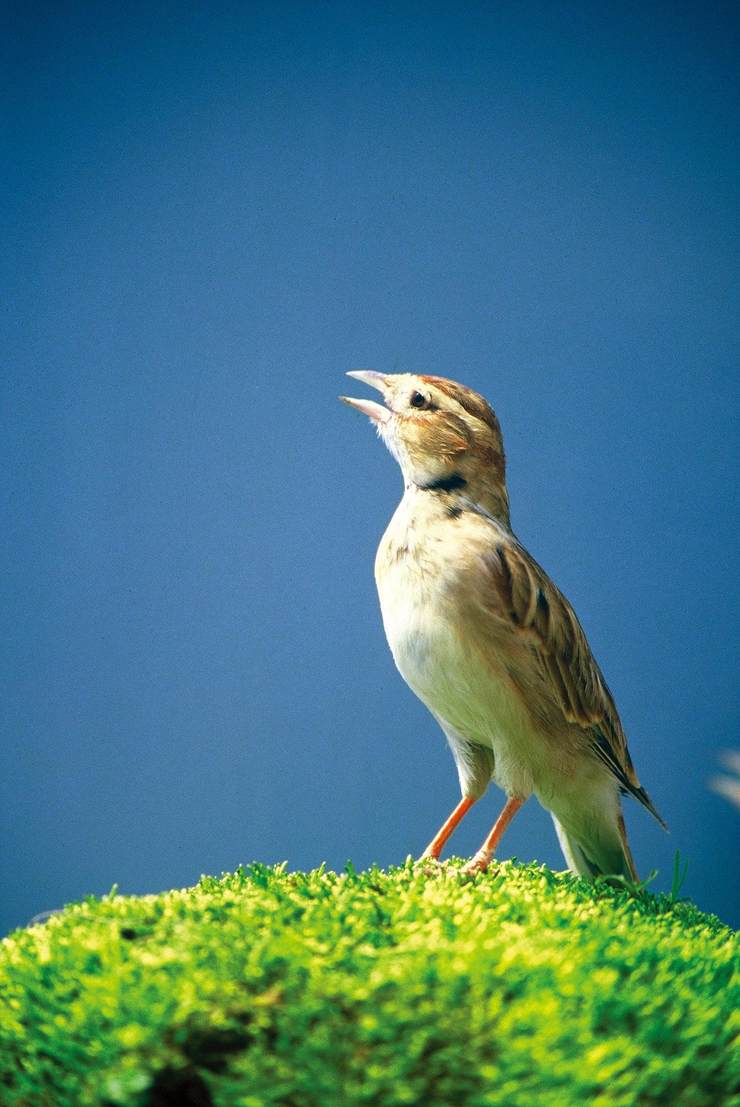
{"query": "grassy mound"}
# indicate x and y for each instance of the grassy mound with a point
(263, 987)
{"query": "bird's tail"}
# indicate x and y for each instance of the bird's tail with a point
(600, 850)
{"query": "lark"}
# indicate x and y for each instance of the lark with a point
(486, 640)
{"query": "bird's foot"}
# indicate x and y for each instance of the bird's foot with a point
(429, 863)
(477, 864)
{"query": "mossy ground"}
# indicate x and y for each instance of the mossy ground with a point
(521, 988)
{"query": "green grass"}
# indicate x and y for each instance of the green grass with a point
(524, 988)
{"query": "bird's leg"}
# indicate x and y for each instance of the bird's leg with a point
(437, 843)
(480, 862)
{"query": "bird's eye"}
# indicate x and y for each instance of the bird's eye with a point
(417, 400)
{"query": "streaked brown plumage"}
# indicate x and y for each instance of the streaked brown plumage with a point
(483, 636)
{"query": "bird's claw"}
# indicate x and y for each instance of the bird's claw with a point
(477, 864)
(428, 863)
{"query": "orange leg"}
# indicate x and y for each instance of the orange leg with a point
(437, 843)
(481, 861)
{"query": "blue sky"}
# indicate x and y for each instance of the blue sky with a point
(210, 214)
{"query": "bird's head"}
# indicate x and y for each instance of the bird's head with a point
(444, 436)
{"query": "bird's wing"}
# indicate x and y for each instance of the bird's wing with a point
(540, 615)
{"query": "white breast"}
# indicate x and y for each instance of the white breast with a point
(470, 698)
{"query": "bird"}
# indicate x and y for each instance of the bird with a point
(486, 640)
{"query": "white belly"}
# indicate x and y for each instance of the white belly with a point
(469, 697)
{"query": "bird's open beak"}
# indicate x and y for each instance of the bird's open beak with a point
(376, 412)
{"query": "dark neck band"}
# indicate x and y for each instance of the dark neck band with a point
(445, 484)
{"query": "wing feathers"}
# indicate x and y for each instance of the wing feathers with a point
(627, 779)
(538, 610)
